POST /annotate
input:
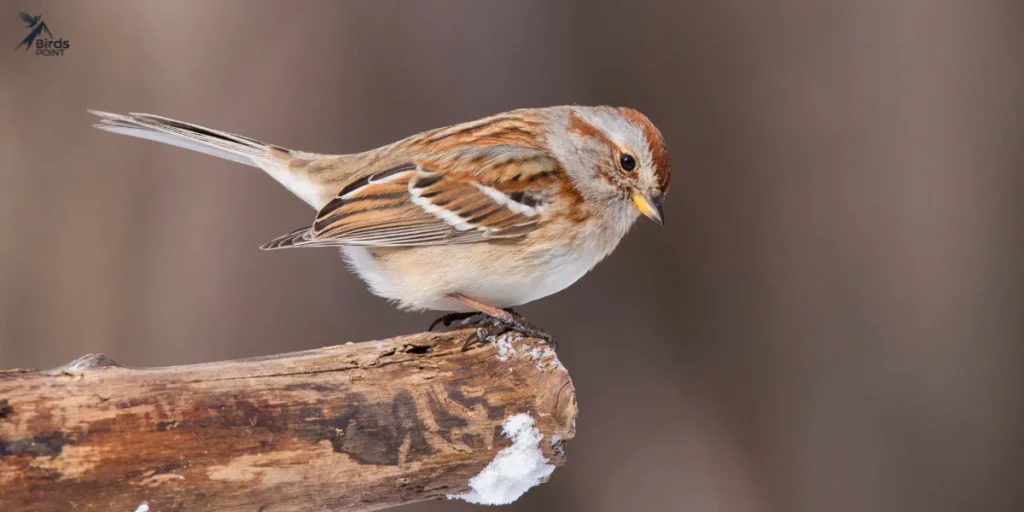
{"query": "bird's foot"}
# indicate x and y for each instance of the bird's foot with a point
(491, 326)
(484, 333)
(520, 324)
(450, 318)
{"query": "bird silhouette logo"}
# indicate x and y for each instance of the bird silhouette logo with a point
(38, 27)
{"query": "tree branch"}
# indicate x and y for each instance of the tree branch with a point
(352, 427)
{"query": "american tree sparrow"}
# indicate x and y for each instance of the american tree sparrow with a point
(475, 217)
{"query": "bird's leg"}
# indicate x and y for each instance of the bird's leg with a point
(449, 318)
(506, 320)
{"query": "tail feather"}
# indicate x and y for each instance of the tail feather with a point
(293, 239)
(302, 237)
(186, 135)
(272, 159)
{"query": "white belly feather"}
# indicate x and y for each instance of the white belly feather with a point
(421, 277)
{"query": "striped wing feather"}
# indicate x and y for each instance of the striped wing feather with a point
(476, 195)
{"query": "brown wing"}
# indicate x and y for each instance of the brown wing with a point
(473, 195)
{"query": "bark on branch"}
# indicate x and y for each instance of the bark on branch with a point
(352, 427)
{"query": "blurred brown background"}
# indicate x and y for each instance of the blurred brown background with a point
(829, 321)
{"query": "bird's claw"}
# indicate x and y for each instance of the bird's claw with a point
(489, 327)
(483, 334)
(523, 326)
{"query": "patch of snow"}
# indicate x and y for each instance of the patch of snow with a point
(504, 344)
(514, 470)
(546, 357)
(144, 507)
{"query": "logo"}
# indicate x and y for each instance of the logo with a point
(46, 47)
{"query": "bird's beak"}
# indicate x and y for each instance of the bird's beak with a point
(650, 206)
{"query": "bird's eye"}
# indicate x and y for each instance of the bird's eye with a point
(627, 162)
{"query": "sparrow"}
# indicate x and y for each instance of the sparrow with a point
(471, 219)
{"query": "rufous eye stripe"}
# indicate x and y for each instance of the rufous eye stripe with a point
(585, 129)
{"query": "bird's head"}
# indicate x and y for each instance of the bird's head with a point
(617, 156)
